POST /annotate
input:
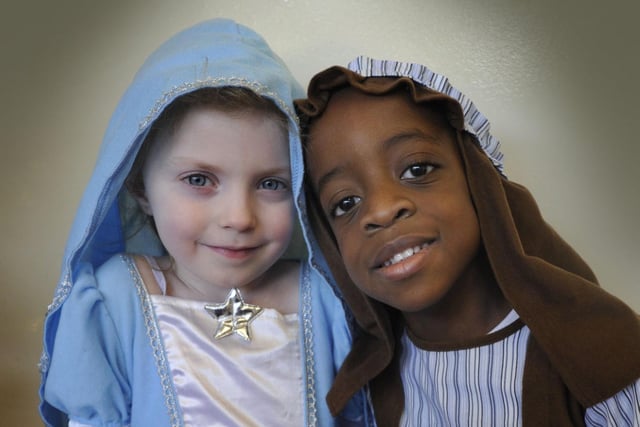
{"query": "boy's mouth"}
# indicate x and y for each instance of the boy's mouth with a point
(401, 256)
(400, 250)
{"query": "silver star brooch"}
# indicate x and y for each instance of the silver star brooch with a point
(233, 315)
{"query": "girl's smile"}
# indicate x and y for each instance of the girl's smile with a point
(233, 253)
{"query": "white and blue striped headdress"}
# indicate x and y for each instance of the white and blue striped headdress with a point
(474, 121)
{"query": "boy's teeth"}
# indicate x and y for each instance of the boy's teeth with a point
(403, 255)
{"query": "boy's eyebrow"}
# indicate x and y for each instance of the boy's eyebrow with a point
(386, 144)
(327, 177)
(408, 135)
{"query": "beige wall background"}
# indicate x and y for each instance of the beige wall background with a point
(558, 80)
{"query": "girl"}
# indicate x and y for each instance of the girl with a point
(474, 311)
(178, 304)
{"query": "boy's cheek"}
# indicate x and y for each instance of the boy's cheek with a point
(341, 239)
(349, 251)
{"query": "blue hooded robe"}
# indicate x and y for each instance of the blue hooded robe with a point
(104, 360)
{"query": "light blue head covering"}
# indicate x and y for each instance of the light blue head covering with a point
(214, 53)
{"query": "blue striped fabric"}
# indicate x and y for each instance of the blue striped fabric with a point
(621, 410)
(482, 386)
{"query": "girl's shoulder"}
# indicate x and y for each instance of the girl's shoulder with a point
(122, 271)
(146, 269)
(114, 269)
(151, 271)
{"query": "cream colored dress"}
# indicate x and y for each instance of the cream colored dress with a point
(231, 381)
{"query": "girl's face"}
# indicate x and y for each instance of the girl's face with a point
(219, 190)
(391, 183)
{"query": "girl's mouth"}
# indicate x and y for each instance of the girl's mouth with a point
(233, 252)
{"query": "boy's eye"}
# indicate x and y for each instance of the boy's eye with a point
(197, 180)
(416, 170)
(273, 185)
(344, 206)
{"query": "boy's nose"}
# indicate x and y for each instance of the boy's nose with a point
(385, 208)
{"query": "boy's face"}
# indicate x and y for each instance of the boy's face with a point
(219, 190)
(391, 183)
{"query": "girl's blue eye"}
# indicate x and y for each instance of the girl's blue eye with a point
(417, 170)
(197, 180)
(344, 206)
(273, 185)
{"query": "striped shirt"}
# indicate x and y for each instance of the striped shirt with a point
(482, 386)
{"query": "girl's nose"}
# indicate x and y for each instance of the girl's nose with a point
(236, 211)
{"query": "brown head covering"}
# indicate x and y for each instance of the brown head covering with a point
(587, 337)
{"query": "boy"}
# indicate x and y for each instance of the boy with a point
(473, 310)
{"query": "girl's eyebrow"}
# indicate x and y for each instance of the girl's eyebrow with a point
(282, 169)
(277, 171)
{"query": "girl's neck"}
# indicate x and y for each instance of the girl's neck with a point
(277, 288)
